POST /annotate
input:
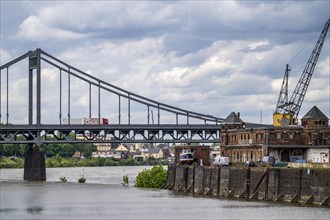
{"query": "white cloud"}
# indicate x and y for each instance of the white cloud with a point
(5, 56)
(255, 45)
(33, 29)
(212, 57)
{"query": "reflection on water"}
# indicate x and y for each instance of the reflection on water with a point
(7, 210)
(34, 209)
(103, 197)
(245, 206)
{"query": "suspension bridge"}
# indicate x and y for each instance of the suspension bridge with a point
(185, 127)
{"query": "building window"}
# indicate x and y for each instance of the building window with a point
(297, 136)
(285, 137)
(272, 136)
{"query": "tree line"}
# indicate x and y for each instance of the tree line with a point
(50, 150)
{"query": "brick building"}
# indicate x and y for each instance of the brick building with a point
(242, 141)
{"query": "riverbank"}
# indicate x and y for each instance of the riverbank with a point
(59, 161)
(293, 185)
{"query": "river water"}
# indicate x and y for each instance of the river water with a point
(104, 197)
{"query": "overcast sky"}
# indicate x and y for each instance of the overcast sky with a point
(212, 57)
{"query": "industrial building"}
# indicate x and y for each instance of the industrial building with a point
(309, 141)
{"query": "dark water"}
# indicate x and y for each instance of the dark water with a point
(104, 197)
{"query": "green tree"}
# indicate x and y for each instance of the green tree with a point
(88, 149)
(154, 178)
(67, 150)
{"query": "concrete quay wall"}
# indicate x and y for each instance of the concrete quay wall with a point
(293, 185)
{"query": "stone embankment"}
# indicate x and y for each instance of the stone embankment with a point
(293, 185)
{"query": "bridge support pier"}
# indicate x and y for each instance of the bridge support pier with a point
(34, 164)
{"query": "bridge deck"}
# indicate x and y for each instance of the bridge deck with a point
(137, 133)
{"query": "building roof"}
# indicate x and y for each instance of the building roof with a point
(153, 151)
(257, 126)
(121, 148)
(314, 114)
(233, 118)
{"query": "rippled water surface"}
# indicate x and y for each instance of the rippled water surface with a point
(104, 197)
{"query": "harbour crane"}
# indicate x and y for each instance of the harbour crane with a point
(286, 112)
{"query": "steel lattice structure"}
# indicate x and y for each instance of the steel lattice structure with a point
(36, 132)
(298, 95)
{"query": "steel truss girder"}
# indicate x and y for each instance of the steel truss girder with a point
(27, 134)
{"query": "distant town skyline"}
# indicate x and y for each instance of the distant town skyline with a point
(211, 57)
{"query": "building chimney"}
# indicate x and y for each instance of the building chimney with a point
(238, 114)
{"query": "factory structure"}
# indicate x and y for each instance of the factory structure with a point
(285, 139)
(308, 142)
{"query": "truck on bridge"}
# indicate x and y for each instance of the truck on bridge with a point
(85, 121)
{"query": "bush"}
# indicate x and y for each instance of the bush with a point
(111, 162)
(7, 163)
(125, 180)
(19, 163)
(66, 163)
(154, 178)
(129, 162)
(81, 180)
(11, 163)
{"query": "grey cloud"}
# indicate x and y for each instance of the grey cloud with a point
(230, 53)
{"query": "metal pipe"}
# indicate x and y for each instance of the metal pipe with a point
(69, 115)
(119, 109)
(99, 106)
(90, 100)
(148, 114)
(32, 66)
(0, 98)
(60, 115)
(7, 98)
(158, 115)
(129, 109)
(38, 88)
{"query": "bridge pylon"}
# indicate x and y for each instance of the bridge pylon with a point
(34, 163)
